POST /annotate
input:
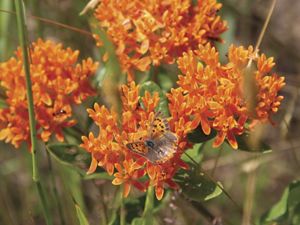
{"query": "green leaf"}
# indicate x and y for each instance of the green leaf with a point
(198, 136)
(70, 155)
(147, 214)
(112, 64)
(137, 221)
(98, 176)
(152, 87)
(195, 153)
(196, 186)
(296, 215)
(134, 207)
(3, 104)
(75, 157)
(286, 208)
(117, 203)
(80, 215)
(165, 81)
(244, 146)
(5, 29)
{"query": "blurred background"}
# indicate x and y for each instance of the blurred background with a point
(260, 178)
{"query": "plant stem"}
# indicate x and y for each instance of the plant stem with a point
(59, 205)
(4, 29)
(22, 31)
(122, 213)
(263, 30)
(148, 209)
(217, 161)
(116, 205)
(248, 202)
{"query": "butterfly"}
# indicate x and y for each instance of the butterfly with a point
(160, 143)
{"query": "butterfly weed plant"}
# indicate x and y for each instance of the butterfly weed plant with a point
(140, 114)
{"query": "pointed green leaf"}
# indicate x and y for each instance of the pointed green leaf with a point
(75, 157)
(194, 153)
(116, 205)
(137, 221)
(286, 208)
(196, 186)
(98, 176)
(80, 215)
(70, 155)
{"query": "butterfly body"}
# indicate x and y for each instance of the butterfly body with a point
(160, 144)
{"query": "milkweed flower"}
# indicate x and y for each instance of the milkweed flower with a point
(210, 94)
(58, 81)
(155, 32)
(108, 148)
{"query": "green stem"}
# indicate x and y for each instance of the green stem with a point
(22, 31)
(22, 39)
(4, 29)
(148, 209)
(116, 205)
(59, 205)
(122, 213)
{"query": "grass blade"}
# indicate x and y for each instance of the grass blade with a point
(22, 34)
(80, 215)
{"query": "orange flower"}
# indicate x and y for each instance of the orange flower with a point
(210, 95)
(108, 148)
(57, 83)
(155, 32)
(129, 175)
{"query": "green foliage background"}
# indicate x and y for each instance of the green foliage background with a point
(266, 178)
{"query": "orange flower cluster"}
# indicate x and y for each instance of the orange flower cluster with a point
(108, 148)
(154, 32)
(210, 94)
(57, 83)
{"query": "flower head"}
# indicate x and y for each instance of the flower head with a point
(155, 32)
(57, 83)
(108, 148)
(210, 94)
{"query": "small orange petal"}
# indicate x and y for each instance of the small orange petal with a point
(117, 181)
(151, 171)
(126, 189)
(196, 121)
(109, 168)
(219, 139)
(93, 166)
(143, 63)
(159, 192)
(205, 125)
(45, 135)
(232, 141)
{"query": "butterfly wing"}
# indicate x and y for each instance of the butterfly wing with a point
(164, 142)
(138, 147)
(166, 146)
(158, 127)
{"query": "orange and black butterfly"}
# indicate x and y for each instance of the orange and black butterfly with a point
(160, 144)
